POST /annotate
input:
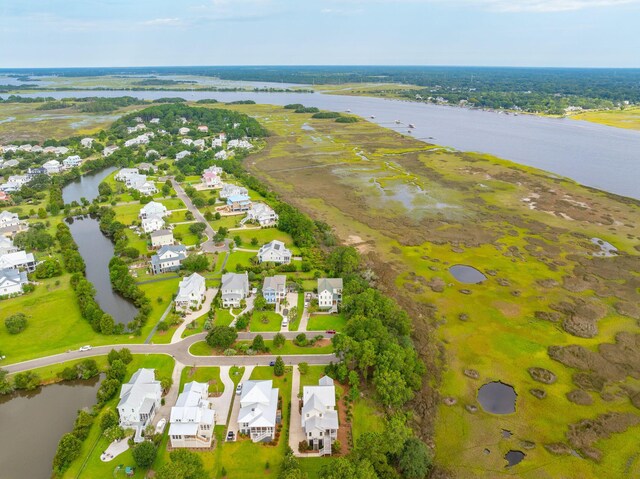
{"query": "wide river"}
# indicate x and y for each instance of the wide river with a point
(31, 424)
(97, 249)
(595, 155)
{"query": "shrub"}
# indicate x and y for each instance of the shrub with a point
(27, 380)
(144, 454)
(16, 323)
(278, 369)
(68, 450)
(221, 337)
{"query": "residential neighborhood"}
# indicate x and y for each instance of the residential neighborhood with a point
(139, 402)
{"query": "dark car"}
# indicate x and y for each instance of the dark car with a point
(272, 363)
(231, 436)
(331, 331)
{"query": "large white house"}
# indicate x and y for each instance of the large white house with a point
(262, 214)
(6, 246)
(274, 252)
(258, 414)
(139, 401)
(71, 162)
(86, 142)
(110, 150)
(152, 223)
(234, 288)
(125, 173)
(192, 420)
(229, 189)
(168, 258)
(274, 288)
(161, 238)
(11, 281)
(18, 259)
(329, 293)
(243, 144)
(190, 293)
(9, 219)
(319, 417)
(14, 182)
(182, 154)
(153, 208)
(52, 167)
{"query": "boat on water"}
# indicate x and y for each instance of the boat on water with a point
(372, 117)
(411, 125)
(397, 122)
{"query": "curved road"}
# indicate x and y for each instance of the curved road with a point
(180, 352)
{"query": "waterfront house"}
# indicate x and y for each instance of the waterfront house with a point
(319, 417)
(52, 167)
(168, 258)
(161, 238)
(139, 401)
(125, 173)
(274, 288)
(18, 259)
(258, 414)
(329, 293)
(262, 214)
(71, 162)
(148, 166)
(109, 150)
(234, 288)
(153, 208)
(274, 252)
(11, 281)
(237, 203)
(190, 293)
(229, 189)
(192, 419)
(33, 172)
(152, 223)
(86, 142)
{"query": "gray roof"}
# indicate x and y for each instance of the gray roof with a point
(158, 233)
(235, 281)
(277, 283)
(329, 284)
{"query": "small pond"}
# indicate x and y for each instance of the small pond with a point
(607, 250)
(467, 274)
(514, 457)
(497, 398)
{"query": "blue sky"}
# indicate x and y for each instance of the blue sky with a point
(57, 33)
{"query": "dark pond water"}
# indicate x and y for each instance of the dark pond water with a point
(31, 424)
(514, 457)
(497, 398)
(467, 274)
(595, 155)
(97, 251)
(86, 186)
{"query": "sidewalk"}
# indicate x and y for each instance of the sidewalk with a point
(193, 315)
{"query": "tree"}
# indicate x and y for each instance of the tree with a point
(195, 263)
(415, 459)
(278, 368)
(82, 425)
(258, 343)
(107, 390)
(118, 370)
(113, 433)
(49, 268)
(260, 304)
(68, 374)
(254, 241)
(68, 450)
(184, 465)
(221, 337)
(109, 419)
(343, 467)
(303, 368)
(87, 369)
(221, 234)
(104, 189)
(5, 384)
(27, 380)
(197, 228)
(16, 323)
(144, 454)
(278, 340)
(125, 355)
(188, 216)
(237, 240)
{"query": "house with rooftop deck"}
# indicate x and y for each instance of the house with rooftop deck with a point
(153, 208)
(139, 400)
(238, 203)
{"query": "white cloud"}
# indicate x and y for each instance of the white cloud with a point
(540, 6)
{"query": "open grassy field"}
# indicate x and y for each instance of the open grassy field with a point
(627, 118)
(548, 301)
(265, 321)
(322, 322)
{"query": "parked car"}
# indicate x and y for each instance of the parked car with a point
(238, 391)
(85, 348)
(285, 323)
(272, 363)
(331, 331)
(160, 426)
(231, 436)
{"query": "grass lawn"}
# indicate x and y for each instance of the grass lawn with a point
(219, 261)
(188, 238)
(53, 314)
(223, 317)
(239, 257)
(173, 203)
(136, 241)
(312, 465)
(177, 217)
(201, 348)
(127, 214)
(264, 235)
(366, 418)
(49, 374)
(226, 222)
(89, 465)
(209, 375)
(322, 322)
(293, 325)
(257, 324)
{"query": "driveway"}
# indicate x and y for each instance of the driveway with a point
(222, 404)
(171, 396)
(296, 433)
(304, 320)
(235, 410)
(193, 315)
(292, 301)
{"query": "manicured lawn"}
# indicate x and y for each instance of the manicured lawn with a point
(173, 203)
(223, 317)
(209, 375)
(264, 235)
(225, 222)
(49, 374)
(258, 324)
(219, 261)
(239, 257)
(177, 217)
(322, 322)
(201, 348)
(138, 242)
(127, 214)
(95, 444)
(188, 238)
(312, 465)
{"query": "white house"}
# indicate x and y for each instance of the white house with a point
(184, 130)
(161, 238)
(234, 288)
(192, 420)
(125, 173)
(262, 214)
(138, 140)
(26, 148)
(6, 246)
(216, 143)
(71, 162)
(319, 417)
(274, 288)
(152, 223)
(86, 142)
(155, 121)
(153, 208)
(221, 155)
(168, 258)
(258, 414)
(110, 150)
(138, 127)
(190, 292)
(211, 180)
(187, 141)
(274, 252)
(36, 149)
(11, 281)
(9, 219)
(244, 144)
(182, 154)
(142, 185)
(18, 259)
(134, 178)
(329, 293)
(139, 401)
(200, 144)
(229, 189)
(10, 164)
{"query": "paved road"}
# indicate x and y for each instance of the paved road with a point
(180, 352)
